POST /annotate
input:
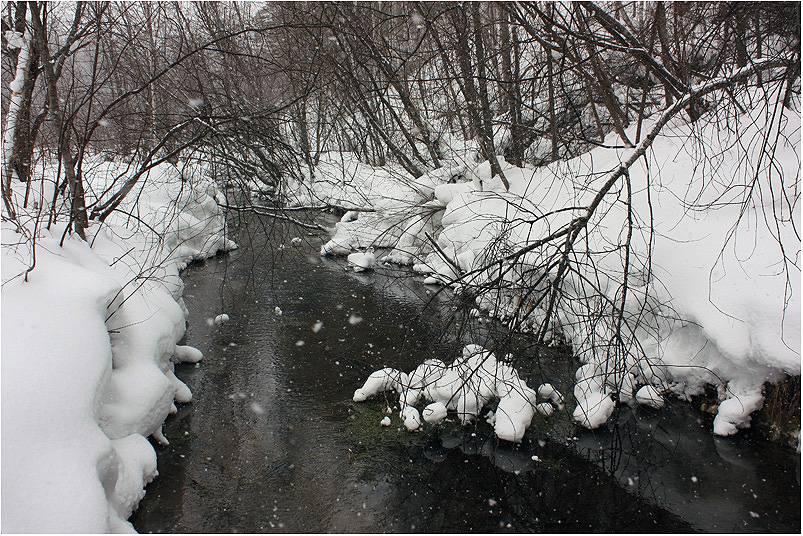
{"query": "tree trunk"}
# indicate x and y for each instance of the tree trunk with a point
(300, 117)
(16, 112)
(553, 127)
(78, 214)
(149, 133)
(511, 90)
(482, 94)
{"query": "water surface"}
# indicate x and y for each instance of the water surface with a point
(272, 443)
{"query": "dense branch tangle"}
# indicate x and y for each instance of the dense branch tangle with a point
(265, 92)
(391, 80)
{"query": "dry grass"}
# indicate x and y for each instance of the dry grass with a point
(779, 419)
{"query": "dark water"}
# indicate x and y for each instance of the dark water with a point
(272, 443)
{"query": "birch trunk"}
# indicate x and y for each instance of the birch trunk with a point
(17, 87)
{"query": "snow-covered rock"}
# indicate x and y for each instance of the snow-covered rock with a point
(550, 393)
(362, 261)
(514, 414)
(349, 216)
(593, 410)
(386, 379)
(649, 396)
(434, 413)
(187, 354)
(587, 371)
(734, 412)
(473, 380)
(411, 418)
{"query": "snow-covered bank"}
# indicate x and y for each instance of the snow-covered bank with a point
(89, 343)
(713, 280)
(382, 198)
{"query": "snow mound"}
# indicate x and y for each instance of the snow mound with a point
(734, 412)
(434, 413)
(187, 354)
(382, 380)
(386, 206)
(545, 408)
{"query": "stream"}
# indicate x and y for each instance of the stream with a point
(272, 442)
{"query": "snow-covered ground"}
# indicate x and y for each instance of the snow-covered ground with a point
(718, 300)
(89, 340)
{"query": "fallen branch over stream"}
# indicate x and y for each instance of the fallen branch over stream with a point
(264, 211)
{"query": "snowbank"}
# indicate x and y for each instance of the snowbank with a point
(89, 344)
(717, 303)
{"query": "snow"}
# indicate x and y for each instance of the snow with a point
(382, 380)
(550, 393)
(718, 301)
(411, 418)
(89, 344)
(187, 354)
(434, 413)
(514, 414)
(545, 408)
(385, 206)
(15, 39)
(362, 261)
(349, 216)
(473, 380)
(734, 412)
(594, 409)
(649, 396)
(134, 475)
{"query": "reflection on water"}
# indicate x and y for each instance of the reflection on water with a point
(272, 443)
(732, 484)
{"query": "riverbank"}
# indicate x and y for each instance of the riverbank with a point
(693, 276)
(90, 336)
(272, 442)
